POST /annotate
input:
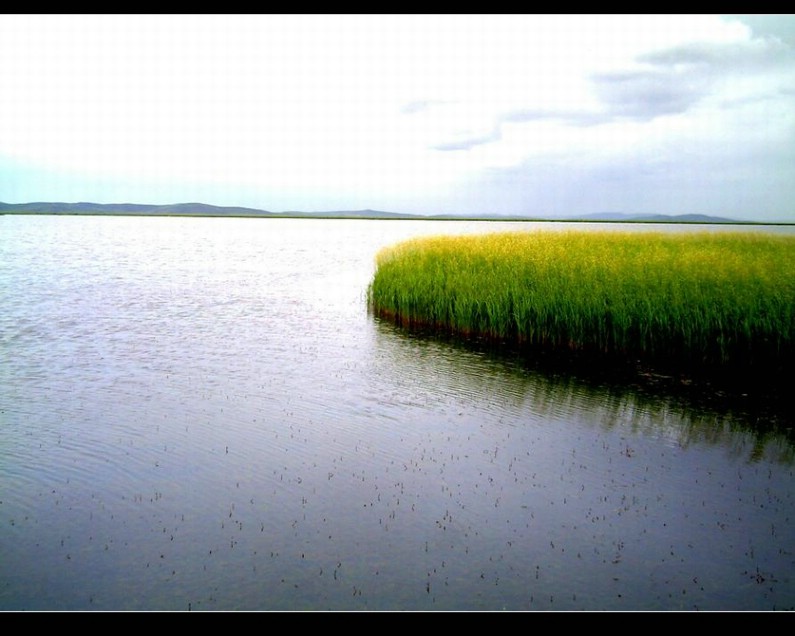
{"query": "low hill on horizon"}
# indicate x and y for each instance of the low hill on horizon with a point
(203, 209)
(657, 218)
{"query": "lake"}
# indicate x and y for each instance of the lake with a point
(201, 414)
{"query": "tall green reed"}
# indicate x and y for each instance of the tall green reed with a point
(702, 298)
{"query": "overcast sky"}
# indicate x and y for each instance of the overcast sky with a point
(516, 114)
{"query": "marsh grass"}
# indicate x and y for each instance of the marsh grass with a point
(702, 300)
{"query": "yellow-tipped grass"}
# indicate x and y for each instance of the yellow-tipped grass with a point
(721, 298)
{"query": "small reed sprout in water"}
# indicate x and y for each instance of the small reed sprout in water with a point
(724, 299)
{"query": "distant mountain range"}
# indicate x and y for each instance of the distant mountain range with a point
(202, 209)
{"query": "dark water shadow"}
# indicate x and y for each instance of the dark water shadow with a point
(628, 393)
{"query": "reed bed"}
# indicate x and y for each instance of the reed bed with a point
(704, 299)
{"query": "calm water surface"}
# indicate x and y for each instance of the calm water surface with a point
(200, 414)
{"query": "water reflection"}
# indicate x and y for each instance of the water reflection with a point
(682, 414)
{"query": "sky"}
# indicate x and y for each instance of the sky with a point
(539, 115)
